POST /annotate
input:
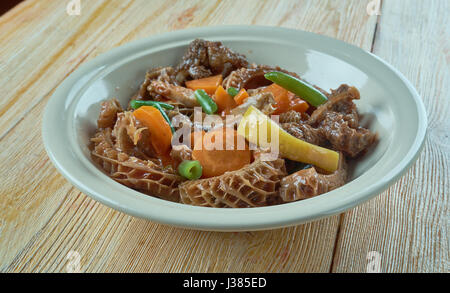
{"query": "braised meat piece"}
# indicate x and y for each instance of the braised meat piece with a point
(305, 132)
(205, 58)
(180, 153)
(293, 117)
(340, 101)
(177, 93)
(131, 137)
(108, 113)
(251, 77)
(308, 183)
(162, 74)
(338, 121)
(351, 141)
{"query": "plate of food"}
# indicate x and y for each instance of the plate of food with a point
(234, 128)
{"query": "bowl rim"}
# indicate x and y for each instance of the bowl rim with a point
(221, 219)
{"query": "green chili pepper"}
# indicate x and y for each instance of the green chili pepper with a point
(208, 105)
(232, 91)
(298, 87)
(191, 170)
(135, 104)
(163, 113)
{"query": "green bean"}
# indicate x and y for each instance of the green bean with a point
(135, 104)
(298, 87)
(232, 91)
(163, 113)
(191, 170)
(208, 105)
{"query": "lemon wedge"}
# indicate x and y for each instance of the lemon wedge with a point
(262, 131)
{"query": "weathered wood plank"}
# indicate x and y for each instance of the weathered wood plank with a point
(408, 225)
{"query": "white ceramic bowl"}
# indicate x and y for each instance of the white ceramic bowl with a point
(389, 104)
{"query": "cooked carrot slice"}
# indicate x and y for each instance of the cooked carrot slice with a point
(208, 84)
(160, 132)
(241, 97)
(298, 105)
(216, 162)
(223, 100)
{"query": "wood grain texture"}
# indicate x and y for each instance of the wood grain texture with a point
(43, 218)
(409, 224)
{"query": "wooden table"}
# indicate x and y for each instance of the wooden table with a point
(46, 224)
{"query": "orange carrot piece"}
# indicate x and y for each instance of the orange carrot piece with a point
(160, 132)
(298, 105)
(217, 162)
(241, 97)
(224, 101)
(209, 84)
(281, 97)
